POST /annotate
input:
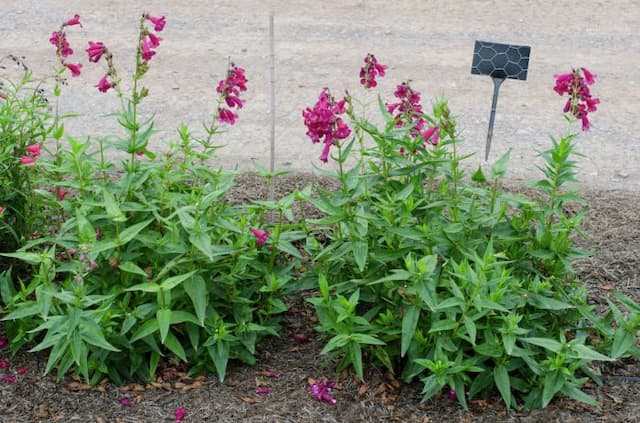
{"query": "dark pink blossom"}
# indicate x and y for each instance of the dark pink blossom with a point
(61, 193)
(576, 86)
(33, 150)
(154, 41)
(73, 21)
(104, 85)
(158, 23)
(4, 341)
(370, 71)
(10, 379)
(271, 373)
(147, 52)
(4, 364)
(263, 390)
(74, 68)
(323, 123)
(261, 236)
(125, 402)
(227, 116)
(180, 414)
(22, 370)
(95, 51)
(27, 160)
(322, 391)
(432, 135)
(59, 39)
(408, 110)
(1, 210)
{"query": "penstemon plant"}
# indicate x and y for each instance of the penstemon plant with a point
(453, 281)
(149, 260)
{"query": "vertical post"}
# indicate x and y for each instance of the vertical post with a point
(494, 103)
(272, 95)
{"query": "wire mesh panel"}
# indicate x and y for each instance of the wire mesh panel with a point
(500, 60)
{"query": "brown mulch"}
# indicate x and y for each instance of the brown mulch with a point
(613, 228)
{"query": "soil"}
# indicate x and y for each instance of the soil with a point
(321, 44)
(613, 235)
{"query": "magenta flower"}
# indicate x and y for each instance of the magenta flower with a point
(59, 39)
(158, 23)
(154, 41)
(95, 51)
(322, 391)
(408, 111)
(323, 123)
(271, 373)
(125, 402)
(180, 414)
(22, 370)
(147, 52)
(576, 86)
(27, 160)
(104, 85)
(73, 21)
(4, 364)
(263, 390)
(4, 341)
(10, 379)
(432, 135)
(1, 213)
(261, 236)
(33, 150)
(74, 68)
(227, 116)
(370, 70)
(61, 193)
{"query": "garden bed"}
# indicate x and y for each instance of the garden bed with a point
(287, 364)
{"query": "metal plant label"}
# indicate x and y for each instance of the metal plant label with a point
(499, 61)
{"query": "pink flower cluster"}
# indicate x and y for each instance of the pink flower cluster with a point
(5, 365)
(95, 51)
(63, 49)
(322, 121)
(261, 236)
(370, 71)
(33, 152)
(408, 112)
(150, 40)
(322, 391)
(576, 85)
(229, 90)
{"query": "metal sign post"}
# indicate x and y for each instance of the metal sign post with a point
(499, 61)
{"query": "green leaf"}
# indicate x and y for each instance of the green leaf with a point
(355, 353)
(503, 383)
(500, 167)
(97, 339)
(174, 345)
(431, 387)
(361, 338)
(219, 354)
(547, 303)
(409, 325)
(145, 287)
(547, 343)
(196, 289)
(585, 353)
(131, 267)
(442, 325)
(181, 316)
(360, 253)
(163, 316)
(25, 310)
(553, 382)
(574, 393)
(337, 341)
(623, 340)
(31, 258)
(112, 208)
(470, 325)
(131, 232)
(478, 176)
(202, 241)
(288, 248)
(147, 328)
(170, 283)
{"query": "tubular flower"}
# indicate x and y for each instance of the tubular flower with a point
(408, 111)
(61, 193)
(147, 52)
(154, 41)
(261, 236)
(180, 414)
(95, 51)
(1, 213)
(59, 39)
(323, 123)
(104, 85)
(27, 160)
(576, 86)
(432, 135)
(229, 90)
(74, 68)
(322, 391)
(73, 21)
(33, 150)
(370, 70)
(158, 23)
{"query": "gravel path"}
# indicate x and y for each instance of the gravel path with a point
(322, 44)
